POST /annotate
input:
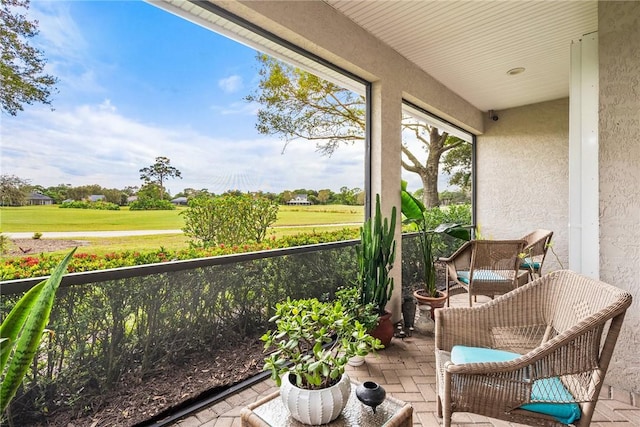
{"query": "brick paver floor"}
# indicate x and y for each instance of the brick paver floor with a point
(406, 370)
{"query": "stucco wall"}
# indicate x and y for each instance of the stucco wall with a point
(619, 134)
(522, 175)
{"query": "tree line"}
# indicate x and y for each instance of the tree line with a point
(15, 191)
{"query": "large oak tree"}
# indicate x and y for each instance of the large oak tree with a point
(22, 76)
(297, 104)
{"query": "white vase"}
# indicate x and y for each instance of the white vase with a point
(315, 407)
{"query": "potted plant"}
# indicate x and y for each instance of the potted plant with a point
(313, 342)
(375, 256)
(350, 299)
(415, 213)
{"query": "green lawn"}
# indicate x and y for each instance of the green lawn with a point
(52, 218)
(291, 220)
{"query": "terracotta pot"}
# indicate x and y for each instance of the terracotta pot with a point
(434, 302)
(384, 330)
(315, 407)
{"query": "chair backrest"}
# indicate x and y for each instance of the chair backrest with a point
(537, 245)
(496, 255)
(579, 309)
(570, 298)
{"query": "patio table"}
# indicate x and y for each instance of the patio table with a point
(270, 412)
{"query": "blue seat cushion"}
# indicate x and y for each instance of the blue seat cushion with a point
(480, 275)
(547, 392)
(529, 263)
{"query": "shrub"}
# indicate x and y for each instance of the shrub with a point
(151, 205)
(36, 266)
(230, 219)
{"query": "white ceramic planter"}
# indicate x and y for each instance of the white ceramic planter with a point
(356, 361)
(315, 407)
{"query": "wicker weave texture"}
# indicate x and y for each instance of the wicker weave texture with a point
(491, 266)
(565, 326)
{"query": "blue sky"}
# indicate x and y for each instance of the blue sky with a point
(135, 83)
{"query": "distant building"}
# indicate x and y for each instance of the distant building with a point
(300, 199)
(97, 198)
(131, 199)
(39, 199)
(180, 201)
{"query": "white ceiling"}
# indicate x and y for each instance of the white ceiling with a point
(470, 45)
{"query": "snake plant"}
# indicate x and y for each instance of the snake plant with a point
(22, 329)
(376, 254)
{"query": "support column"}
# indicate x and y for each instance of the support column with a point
(584, 215)
(385, 173)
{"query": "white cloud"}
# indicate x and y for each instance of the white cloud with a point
(67, 51)
(95, 144)
(231, 84)
(237, 108)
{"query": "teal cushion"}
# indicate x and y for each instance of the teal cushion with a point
(543, 390)
(461, 354)
(479, 275)
(529, 263)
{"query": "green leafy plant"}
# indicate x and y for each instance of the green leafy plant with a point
(415, 213)
(36, 236)
(375, 255)
(22, 329)
(351, 302)
(314, 340)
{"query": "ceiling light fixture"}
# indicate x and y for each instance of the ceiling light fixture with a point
(514, 71)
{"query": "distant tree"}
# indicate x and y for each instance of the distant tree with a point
(159, 172)
(82, 192)
(296, 104)
(22, 77)
(286, 196)
(348, 196)
(131, 190)
(58, 193)
(13, 190)
(150, 198)
(324, 196)
(458, 165)
(113, 195)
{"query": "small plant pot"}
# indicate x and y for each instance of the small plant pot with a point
(356, 361)
(434, 302)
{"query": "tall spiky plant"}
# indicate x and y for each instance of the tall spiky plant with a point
(376, 254)
(22, 329)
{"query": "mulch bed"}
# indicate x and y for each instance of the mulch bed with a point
(137, 400)
(34, 247)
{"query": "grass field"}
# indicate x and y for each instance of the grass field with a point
(52, 218)
(291, 220)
